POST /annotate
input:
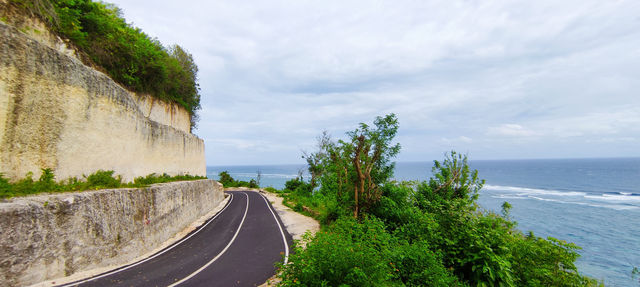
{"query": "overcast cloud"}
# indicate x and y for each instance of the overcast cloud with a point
(495, 79)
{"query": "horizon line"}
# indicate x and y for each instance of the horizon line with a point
(471, 160)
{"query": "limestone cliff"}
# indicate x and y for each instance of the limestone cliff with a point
(58, 113)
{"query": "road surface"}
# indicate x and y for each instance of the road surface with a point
(237, 247)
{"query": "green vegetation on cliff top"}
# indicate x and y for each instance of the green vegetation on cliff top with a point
(128, 55)
(379, 232)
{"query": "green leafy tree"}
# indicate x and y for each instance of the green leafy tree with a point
(186, 77)
(316, 161)
(225, 179)
(370, 152)
(354, 170)
(453, 181)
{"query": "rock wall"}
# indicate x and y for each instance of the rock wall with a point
(165, 113)
(51, 236)
(169, 114)
(56, 112)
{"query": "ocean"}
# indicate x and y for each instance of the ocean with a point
(594, 203)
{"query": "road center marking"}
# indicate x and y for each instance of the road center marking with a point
(221, 252)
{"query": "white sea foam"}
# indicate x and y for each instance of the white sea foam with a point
(614, 197)
(610, 206)
(625, 201)
(510, 196)
(526, 191)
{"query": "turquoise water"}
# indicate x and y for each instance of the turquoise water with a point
(594, 203)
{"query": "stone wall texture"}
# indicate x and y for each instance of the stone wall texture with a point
(56, 112)
(51, 236)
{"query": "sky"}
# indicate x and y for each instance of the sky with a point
(493, 79)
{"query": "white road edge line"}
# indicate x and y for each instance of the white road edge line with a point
(154, 256)
(221, 252)
(284, 239)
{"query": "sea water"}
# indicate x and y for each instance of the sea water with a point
(594, 203)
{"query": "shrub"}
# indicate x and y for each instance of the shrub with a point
(417, 265)
(553, 260)
(103, 179)
(6, 190)
(349, 254)
(46, 182)
(225, 179)
(25, 186)
(293, 184)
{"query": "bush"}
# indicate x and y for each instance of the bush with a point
(349, 254)
(103, 179)
(352, 253)
(417, 265)
(483, 248)
(293, 184)
(6, 190)
(46, 181)
(25, 186)
(225, 179)
(553, 260)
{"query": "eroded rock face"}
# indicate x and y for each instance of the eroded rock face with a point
(55, 112)
(52, 236)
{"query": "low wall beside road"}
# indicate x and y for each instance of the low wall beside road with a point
(51, 236)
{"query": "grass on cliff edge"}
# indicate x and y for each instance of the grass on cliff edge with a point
(101, 179)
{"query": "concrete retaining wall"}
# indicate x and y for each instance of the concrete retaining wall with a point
(51, 236)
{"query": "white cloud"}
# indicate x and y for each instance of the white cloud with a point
(457, 140)
(510, 130)
(277, 73)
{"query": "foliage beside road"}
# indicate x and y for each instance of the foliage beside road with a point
(98, 180)
(379, 232)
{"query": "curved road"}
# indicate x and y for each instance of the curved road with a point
(237, 247)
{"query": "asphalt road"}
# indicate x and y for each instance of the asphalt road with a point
(237, 247)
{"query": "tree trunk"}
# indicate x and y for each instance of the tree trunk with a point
(359, 186)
